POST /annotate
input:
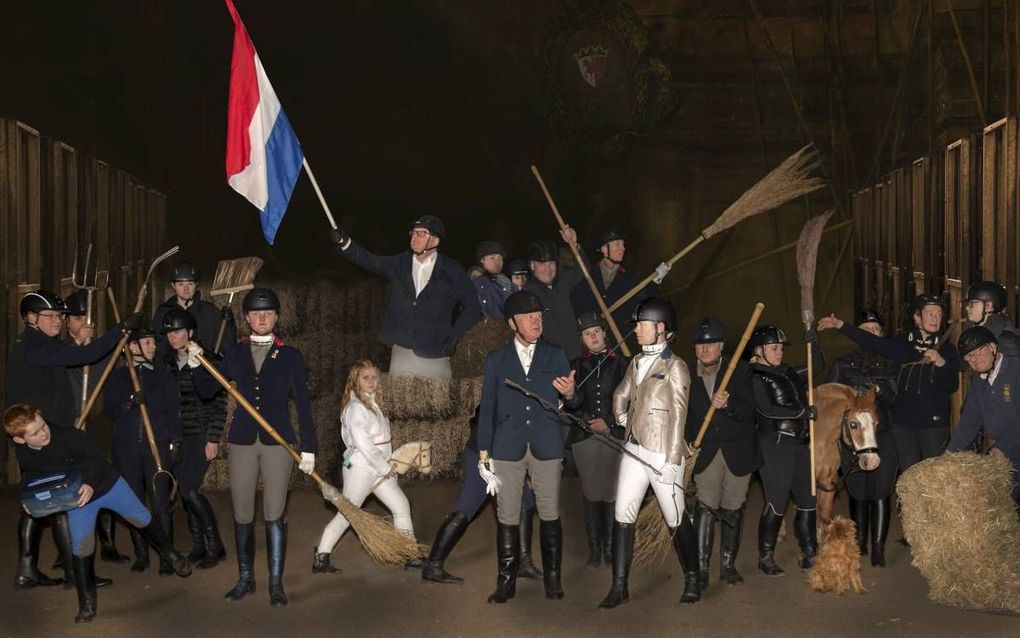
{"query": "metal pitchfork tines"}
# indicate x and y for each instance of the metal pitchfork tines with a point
(89, 282)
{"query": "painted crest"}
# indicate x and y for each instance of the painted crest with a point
(592, 61)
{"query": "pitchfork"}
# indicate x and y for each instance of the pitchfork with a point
(99, 280)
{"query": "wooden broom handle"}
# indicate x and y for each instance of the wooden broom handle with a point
(253, 413)
(811, 422)
(744, 338)
(584, 269)
(647, 280)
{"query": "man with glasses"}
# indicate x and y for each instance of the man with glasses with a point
(985, 305)
(432, 302)
(991, 402)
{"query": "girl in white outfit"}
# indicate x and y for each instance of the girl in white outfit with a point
(366, 434)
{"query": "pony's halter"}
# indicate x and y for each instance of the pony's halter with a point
(846, 437)
(416, 461)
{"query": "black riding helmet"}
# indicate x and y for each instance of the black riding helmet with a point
(708, 330)
(518, 267)
(141, 333)
(766, 335)
(606, 236)
(543, 250)
(929, 299)
(590, 319)
(76, 304)
(178, 319)
(431, 223)
(522, 303)
(657, 309)
(260, 299)
(40, 300)
(489, 247)
(973, 338)
(868, 316)
(988, 291)
(184, 271)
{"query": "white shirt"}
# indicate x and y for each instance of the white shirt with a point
(366, 433)
(525, 354)
(648, 356)
(421, 271)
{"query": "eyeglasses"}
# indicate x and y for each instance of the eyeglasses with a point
(50, 315)
(419, 233)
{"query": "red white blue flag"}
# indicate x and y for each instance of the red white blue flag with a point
(264, 156)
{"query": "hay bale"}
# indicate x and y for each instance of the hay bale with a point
(465, 395)
(447, 436)
(415, 397)
(487, 335)
(963, 530)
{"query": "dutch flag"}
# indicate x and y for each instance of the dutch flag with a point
(264, 156)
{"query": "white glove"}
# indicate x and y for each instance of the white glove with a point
(193, 351)
(492, 484)
(669, 473)
(307, 464)
(660, 272)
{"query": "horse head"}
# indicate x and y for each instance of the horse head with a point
(858, 429)
(416, 454)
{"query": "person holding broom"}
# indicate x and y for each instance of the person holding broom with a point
(187, 296)
(782, 415)
(365, 431)
(651, 402)
(269, 374)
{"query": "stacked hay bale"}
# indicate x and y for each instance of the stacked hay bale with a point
(963, 530)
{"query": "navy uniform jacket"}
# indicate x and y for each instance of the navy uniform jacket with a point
(37, 372)
(161, 402)
(492, 293)
(433, 322)
(994, 406)
(508, 421)
(583, 301)
(731, 429)
(283, 378)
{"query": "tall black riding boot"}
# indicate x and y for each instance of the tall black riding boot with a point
(805, 528)
(213, 543)
(623, 553)
(704, 525)
(860, 514)
(141, 549)
(28, 574)
(197, 552)
(166, 521)
(62, 536)
(156, 536)
(608, 523)
(768, 532)
(881, 512)
(450, 532)
(593, 530)
(685, 542)
(730, 527)
(276, 548)
(244, 543)
(106, 530)
(550, 538)
(527, 567)
(508, 548)
(84, 568)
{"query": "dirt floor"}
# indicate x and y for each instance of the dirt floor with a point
(369, 600)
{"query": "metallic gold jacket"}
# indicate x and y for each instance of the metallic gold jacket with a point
(655, 410)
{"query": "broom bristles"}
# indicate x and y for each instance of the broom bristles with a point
(653, 540)
(789, 180)
(236, 272)
(807, 261)
(383, 542)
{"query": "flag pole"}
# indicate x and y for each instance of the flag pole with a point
(318, 191)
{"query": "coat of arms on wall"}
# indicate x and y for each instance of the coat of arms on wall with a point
(591, 61)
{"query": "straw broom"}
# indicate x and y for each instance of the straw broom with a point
(788, 181)
(807, 262)
(384, 543)
(233, 276)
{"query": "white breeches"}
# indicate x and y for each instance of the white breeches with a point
(634, 481)
(357, 482)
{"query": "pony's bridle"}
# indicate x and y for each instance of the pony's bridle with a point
(416, 461)
(846, 438)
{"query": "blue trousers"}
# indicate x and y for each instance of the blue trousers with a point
(472, 491)
(120, 500)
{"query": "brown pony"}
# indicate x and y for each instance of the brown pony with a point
(845, 418)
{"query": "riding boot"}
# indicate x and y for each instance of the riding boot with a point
(156, 536)
(244, 543)
(62, 537)
(685, 542)
(730, 525)
(106, 531)
(527, 567)
(276, 548)
(704, 524)
(450, 532)
(508, 549)
(321, 563)
(141, 549)
(881, 511)
(860, 513)
(608, 523)
(593, 530)
(28, 574)
(213, 543)
(197, 552)
(165, 520)
(623, 554)
(84, 568)
(805, 528)
(768, 532)
(550, 539)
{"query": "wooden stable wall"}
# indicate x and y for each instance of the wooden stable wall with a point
(945, 222)
(54, 199)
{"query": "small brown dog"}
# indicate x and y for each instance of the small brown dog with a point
(838, 566)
